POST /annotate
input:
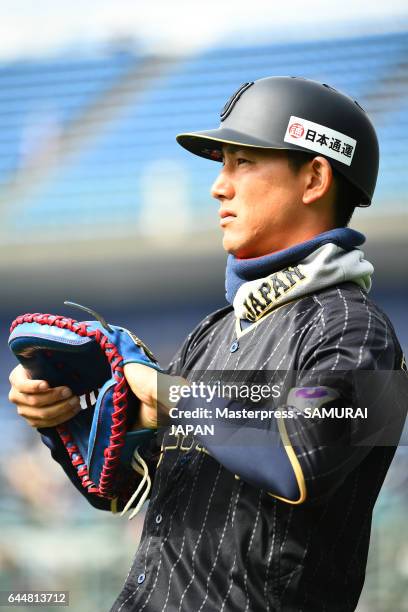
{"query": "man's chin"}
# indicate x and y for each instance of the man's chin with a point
(243, 253)
(237, 251)
(230, 248)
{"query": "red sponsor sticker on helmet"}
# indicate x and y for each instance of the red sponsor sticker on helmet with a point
(296, 130)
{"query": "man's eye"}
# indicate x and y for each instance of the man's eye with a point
(241, 160)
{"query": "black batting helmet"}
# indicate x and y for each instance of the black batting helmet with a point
(297, 114)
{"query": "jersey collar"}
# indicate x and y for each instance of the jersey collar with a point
(240, 271)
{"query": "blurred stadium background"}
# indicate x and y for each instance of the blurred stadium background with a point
(98, 204)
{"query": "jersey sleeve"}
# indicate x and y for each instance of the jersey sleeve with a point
(350, 396)
(59, 453)
(311, 443)
(252, 449)
(54, 443)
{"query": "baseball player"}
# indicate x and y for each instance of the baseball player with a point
(267, 513)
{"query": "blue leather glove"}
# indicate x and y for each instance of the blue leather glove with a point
(89, 357)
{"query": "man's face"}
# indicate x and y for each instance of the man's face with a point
(260, 201)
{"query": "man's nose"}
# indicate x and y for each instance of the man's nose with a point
(222, 188)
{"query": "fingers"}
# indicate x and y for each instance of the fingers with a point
(35, 393)
(50, 416)
(39, 399)
(39, 404)
(20, 379)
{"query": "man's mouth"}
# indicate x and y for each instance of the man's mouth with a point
(226, 216)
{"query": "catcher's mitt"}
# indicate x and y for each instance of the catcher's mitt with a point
(89, 357)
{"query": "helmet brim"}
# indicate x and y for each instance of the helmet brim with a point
(208, 143)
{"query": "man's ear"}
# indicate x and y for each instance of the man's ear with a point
(318, 179)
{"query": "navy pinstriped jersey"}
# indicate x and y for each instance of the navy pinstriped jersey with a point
(230, 531)
(213, 541)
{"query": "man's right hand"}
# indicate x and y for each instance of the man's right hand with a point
(38, 403)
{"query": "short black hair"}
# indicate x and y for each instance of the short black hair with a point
(347, 195)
